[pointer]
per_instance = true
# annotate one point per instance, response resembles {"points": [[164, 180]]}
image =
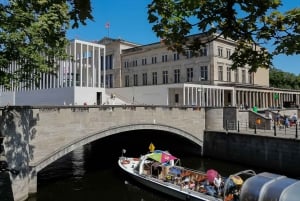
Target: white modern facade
{"points": [[78, 80]]}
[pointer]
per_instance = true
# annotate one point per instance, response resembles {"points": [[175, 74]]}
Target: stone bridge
{"points": [[34, 137]]}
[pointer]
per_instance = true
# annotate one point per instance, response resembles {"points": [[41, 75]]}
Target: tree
{"points": [[33, 36], [284, 80], [251, 23]]}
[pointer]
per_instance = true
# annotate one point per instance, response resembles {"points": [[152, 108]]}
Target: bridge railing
{"points": [[260, 128]]}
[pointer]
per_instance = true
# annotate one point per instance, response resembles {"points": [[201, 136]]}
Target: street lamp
{"points": [[201, 92]]}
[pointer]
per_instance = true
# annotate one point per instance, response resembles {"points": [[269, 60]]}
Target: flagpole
{"points": [[107, 26]]}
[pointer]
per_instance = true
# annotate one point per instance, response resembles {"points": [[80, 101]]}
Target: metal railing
{"points": [[291, 131]]}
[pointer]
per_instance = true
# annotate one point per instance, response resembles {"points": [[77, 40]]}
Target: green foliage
{"points": [[251, 23], [285, 80], [33, 35], [81, 11]]}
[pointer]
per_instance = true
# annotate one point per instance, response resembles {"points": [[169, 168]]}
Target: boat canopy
{"points": [[269, 186], [161, 156]]}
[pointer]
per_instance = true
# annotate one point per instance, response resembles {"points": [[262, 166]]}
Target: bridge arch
{"points": [[111, 131]]}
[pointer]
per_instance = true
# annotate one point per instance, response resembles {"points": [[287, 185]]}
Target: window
{"points": [[220, 73], [220, 51], [134, 63], [126, 80], [228, 53], [250, 78], [236, 75], [126, 64], [177, 76], [228, 74], [109, 81], [188, 54], [203, 73], [164, 58], [176, 56], [189, 74], [243, 76], [176, 98], [102, 63], [135, 80], [144, 61], [109, 61], [203, 52], [154, 60], [165, 77], [144, 78], [154, 78]]}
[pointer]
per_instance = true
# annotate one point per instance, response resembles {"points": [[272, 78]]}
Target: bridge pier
{"points": [[16, 129]]}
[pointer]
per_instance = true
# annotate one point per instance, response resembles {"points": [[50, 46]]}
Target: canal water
{"points": [[91, 173]]}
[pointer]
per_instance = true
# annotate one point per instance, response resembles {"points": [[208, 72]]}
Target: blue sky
{"points": [[128, 21]]}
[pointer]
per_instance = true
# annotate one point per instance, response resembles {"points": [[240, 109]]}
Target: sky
{"points": [[128, 21]]}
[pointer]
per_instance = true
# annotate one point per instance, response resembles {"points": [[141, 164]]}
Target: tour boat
{"points": [[161, 171]]}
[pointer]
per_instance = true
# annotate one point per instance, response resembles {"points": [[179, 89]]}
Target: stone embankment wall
{"points": [[264, 152]]}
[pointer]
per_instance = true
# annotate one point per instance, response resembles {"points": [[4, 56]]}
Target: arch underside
{"points": [[111, 131]]}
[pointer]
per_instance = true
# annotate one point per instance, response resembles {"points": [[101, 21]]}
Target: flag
{"points": [[107, 25], [151, 147]]}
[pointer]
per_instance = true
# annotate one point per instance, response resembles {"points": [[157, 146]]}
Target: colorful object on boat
{"points": [[211, 175], [151, 147], [237, 180], [161, 157]]}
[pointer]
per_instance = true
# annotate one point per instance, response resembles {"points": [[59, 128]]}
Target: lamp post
{"points": [[201, 92]]}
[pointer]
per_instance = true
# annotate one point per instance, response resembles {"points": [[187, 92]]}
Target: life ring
{"points": [[124, 162]]}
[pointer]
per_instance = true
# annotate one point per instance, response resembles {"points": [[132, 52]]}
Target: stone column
{"points": [[183, 95], [188, 96], [237, 98], [233, 98], [206, 103], [210, 97], [223, 98], [243, 98]]}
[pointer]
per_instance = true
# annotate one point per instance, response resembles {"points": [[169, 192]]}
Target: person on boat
{"points": [[218, 183]]}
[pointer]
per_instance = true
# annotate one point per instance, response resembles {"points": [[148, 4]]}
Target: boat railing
{"points": [[179, 187]]}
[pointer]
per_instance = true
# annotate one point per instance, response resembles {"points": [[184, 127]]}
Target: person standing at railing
{"points": [[269, 115], [278, 118], [286, 121], [294, 118]]}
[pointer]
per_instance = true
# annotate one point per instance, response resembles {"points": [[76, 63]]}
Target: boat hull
{"points": [[179, 194], [162, 186]]}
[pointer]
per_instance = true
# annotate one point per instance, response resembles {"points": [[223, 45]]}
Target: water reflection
{"points": [[78, 163]]}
